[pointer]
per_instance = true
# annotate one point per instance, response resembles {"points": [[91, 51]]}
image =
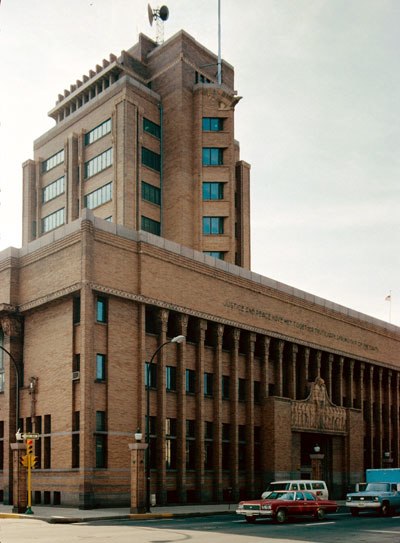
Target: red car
{"points": [[279, 505]]}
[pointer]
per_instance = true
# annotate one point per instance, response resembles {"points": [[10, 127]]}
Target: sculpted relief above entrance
{"points": [[317, 412]]}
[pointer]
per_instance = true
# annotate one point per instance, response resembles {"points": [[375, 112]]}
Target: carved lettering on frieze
{"points": [[317, 412]]}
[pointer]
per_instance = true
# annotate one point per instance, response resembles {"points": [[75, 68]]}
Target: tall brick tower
{"points": [[146, 140]]}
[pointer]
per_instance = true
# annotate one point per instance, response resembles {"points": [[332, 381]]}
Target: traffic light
{"points": [[29, 446], [34, 462], [24, 460]]}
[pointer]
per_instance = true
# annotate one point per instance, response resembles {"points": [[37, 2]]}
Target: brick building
{"points": [[136, 229]]}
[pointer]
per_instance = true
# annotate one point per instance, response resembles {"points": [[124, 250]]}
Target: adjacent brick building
{"points": [[136, 229]]}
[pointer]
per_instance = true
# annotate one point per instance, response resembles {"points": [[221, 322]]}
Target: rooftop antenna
{"points": [[219, 73], [160, 15]]}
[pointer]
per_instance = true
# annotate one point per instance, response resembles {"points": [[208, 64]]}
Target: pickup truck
{"points": [[381, 493]]}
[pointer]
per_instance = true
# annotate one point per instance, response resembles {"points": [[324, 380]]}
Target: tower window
{"points": [[212, 124], [213, 156]]}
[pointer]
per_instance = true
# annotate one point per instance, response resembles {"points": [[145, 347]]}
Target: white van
{"points": [[319, 488]]}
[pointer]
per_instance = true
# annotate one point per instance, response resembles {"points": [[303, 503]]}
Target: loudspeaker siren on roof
{"points": [[158, 13]]}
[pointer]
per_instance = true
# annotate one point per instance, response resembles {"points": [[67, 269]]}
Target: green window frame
{"points": [[99, 196], [98, 132], [53, 161], [151, 159], [150, 193], [151, 226], [151, 128], [212, 124], [215, 254], [99, 163], [100, 367], [101, 309], [53, 190], [212, 156], [213, 190], [54, 220], [213, 226]]}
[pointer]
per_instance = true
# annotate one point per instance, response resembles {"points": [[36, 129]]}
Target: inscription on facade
{"points": [[300, 325], [317, 412]]}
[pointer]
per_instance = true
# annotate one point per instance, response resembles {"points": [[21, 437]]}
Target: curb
{"points": [[131, 516]]}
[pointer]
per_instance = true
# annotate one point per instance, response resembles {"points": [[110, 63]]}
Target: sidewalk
{"points": [[67, 515]]}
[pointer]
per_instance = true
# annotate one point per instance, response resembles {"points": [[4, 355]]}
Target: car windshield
{"points": [[378, 487], [280, 496]]}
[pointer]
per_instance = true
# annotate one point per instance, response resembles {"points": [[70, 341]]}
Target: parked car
{"points": [[279, 505], [318, 488]]}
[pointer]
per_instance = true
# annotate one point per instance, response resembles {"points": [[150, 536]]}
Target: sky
{"points": [[318, 122]]}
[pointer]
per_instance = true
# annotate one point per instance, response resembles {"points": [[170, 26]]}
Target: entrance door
{"points": [[309, 444]]}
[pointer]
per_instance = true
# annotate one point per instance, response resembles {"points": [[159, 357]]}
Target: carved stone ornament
{"points": [[10, 326], [317, 412]]}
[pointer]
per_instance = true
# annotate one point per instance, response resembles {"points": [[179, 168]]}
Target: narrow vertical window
{"points": [[101, 309]]}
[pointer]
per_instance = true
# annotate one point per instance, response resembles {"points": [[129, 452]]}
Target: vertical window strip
{"points": [[151, 159], [99, 196], [54, 189], [53, 161], [98, 132], [54, 220], [150, 193], [98, 163], [152, 128], [149, 225]]}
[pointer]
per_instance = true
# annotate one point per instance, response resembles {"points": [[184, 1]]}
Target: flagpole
{"points": [[389, 299]]}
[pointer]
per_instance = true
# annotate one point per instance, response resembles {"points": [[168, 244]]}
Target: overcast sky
{"points": [[318, 122]]}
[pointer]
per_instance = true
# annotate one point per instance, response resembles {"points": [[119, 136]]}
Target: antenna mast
{"points": [[219, 75], [160, 15]]}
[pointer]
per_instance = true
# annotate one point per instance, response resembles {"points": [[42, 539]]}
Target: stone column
{"points": [[318, 357], [20, 488], [379, 428], [233, 404], [217, 416], [329, 383], [202, 327], [388, 422], [340, 381], [265, 438], [181, 418], [350, 391], [396, 421], [293, 373], [361, 402], [279, 372], [250, 414], [138, 477], [370, 432]]}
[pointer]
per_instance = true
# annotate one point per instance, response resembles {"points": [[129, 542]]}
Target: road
{"points": [[337, 528]]}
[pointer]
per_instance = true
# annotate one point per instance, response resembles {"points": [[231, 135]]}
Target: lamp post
{"points": [[16, 385], [176, 339]]}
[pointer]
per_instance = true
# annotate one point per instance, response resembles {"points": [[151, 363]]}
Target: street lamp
{"points": [[16, 384], [176, 339]]}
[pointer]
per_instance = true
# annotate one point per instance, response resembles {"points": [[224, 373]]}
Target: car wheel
{"points": [[354, 512], [320, 514], [281, 516], [250, 520], [386, 510]]}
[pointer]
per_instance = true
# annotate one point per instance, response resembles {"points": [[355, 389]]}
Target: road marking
{"points": [[382, 531], [320, 523]]}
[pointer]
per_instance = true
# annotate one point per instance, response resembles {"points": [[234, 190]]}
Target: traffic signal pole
{"points": [[28, 461], [31, 462]]}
